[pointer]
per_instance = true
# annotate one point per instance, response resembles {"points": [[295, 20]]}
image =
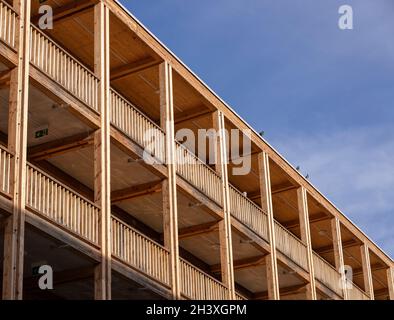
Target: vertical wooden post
{"points": [[170, 208], [306, 238], [367, 272], [390, 282], [266, 204], [338, 254], [225, 238], [17, 143], [102, 184]]}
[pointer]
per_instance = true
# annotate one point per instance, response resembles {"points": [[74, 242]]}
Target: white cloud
{"points": [[354, 169]]}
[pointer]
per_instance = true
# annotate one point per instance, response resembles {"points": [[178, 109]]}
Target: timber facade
{"points": [[75, 194]]}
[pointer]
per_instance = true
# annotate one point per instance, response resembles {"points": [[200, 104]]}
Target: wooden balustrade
{"points": [[63, 68], [290, 245], [137, 126], [8, 25], [197, 285], [198, 173], [138, 251], [248, 213], [61, 205], [5, 171], [327, 274], [239, 297], [355, 293]]}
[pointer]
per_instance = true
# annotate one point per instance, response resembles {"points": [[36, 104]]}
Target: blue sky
{"points": [[324, 96]]}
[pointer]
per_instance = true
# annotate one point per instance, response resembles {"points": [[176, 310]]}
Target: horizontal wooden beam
{"points": [[345, 244], [5, 77], [381, 292], [241, 156], [68, 10], [136, 191], [374, 267], [57, 147], [312, 219], [192, 114], [283, 292], [196, 230], [274, 190], [242, 264], [133, 67], [283, 188]]}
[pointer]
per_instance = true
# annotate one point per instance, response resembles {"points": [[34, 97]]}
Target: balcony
{"points": [[5, 171], [9, 20], [355, 293], [63, 207], [81, 217], [327, 275]]}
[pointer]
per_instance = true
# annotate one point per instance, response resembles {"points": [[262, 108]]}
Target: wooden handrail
{"points": [[62, 185], [8, 25], [327, 274], [140, 252], [58, 203], [249, 213], [197, 285], [290, 245], [356, 293], [5, 170], [70, 55], [136, 109], [58, 64], [198, 173], [128, 119]]}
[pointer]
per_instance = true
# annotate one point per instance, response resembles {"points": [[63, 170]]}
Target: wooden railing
{"points": [[8, 25], [138, 251], [248, 213], [356, 293], [198, 173], [239, 297], [290, 245], [137, 126], [197, 285], [5, 170], [63, 68], [61, 205], [327, 274]]}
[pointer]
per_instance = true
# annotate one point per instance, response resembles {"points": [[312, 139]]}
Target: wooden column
{"points": [[266, 203], [226, 249], [367, 272], [14, 231], [306, 238], [338, 254], [390, 282], [102, 184], [170, 209]]}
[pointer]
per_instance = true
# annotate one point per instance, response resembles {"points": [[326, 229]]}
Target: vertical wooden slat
{"points": [[306, 238], [338, 254], [390, 282], [169, 192], [266, 202], [17, 144], [102, 186], [226, 250], [367, 272]]}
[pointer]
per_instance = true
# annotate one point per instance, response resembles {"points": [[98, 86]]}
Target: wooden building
{"points": [[76, 194]]}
